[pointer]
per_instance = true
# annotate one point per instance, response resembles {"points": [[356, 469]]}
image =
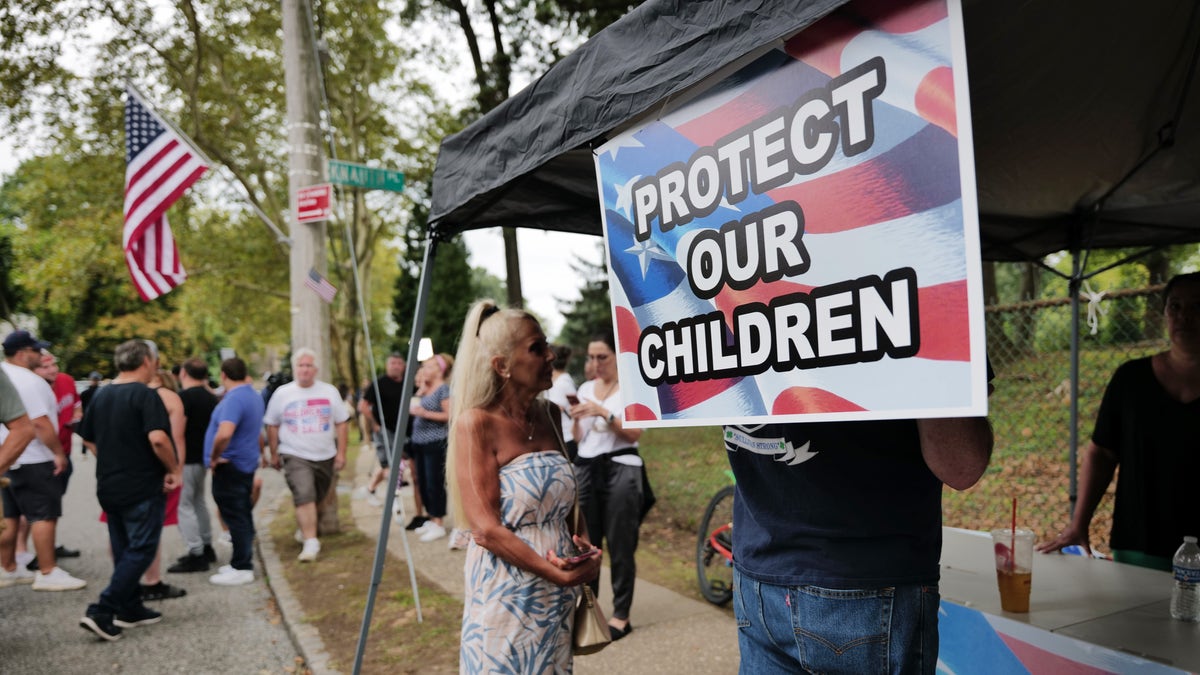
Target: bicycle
{"points": [[714, 547]]}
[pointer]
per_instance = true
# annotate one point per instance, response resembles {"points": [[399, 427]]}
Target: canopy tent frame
{"points": [[528, 163]]}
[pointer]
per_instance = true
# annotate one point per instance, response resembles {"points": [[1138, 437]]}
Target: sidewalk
{"points": [[672, 633]]}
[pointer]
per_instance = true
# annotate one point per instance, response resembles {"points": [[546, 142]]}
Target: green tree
{"points": [[525, 37], [214, 66], [451, 293], [588, 315]]}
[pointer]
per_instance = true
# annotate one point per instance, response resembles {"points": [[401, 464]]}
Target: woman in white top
{"points": [[610, 474], [562, 393]]}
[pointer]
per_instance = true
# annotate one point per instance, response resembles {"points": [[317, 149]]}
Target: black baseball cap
{"points": [[22, 339]]}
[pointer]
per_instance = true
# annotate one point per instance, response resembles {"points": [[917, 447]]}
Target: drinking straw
{"points": [[1012, 548]]}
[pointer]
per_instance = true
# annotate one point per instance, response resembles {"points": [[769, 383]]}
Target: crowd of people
{"points": [[532, 477]]}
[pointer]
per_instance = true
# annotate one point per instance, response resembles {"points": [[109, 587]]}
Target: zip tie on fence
{"points": [[1095, 309]]}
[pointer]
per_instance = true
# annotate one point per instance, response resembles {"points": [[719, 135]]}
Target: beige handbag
{"points": [[591, 626]]}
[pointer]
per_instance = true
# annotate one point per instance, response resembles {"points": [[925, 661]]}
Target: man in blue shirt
{"points": [[232, 448]]}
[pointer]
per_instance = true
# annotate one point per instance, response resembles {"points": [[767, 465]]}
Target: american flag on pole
{"points": [[159, 165], [320, 285], [898, 204]]}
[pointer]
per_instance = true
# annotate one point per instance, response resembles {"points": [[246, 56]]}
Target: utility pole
{"points": [[310, 315]]}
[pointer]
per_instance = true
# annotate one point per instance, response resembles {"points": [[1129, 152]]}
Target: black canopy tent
{"points": [[1086, 124]]}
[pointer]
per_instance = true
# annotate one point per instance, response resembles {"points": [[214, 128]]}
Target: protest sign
{"points": [[799, 240]]}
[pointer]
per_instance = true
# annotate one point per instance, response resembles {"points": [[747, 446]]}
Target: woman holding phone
{"points": [[512, 485], [611, 475]]}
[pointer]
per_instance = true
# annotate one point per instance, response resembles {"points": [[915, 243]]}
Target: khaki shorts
{"points": [[309, 481]]}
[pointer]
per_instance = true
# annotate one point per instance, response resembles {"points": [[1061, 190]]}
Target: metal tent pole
{"points": [[1074, 285], [410, 374]]}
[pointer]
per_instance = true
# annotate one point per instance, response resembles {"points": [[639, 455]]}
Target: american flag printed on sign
{"points": [[320, 285], [893, 206], [159, 166]]}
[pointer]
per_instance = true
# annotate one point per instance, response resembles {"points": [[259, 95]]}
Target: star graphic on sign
{"points": [[625, 197], [726, 205], [645, 252], [619, 142]]}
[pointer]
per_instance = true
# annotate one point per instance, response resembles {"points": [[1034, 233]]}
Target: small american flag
{"points": [[159, 166], [320, 285]]}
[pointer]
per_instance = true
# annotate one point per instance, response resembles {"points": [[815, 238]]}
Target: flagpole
{"points": [[279, 235]]}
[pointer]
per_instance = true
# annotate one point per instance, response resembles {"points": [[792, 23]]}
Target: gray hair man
{"points": [[307, 433]]}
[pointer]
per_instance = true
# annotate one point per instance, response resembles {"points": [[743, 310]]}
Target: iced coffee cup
{"points": [[1014, 567]]}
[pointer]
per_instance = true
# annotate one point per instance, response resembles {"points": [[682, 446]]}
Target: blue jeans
{"points": [[231, 491], [133, 533], [787, 629], [431, 475]]}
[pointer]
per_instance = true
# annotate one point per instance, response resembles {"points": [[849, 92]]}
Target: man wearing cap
{"points": [[86, 395], [35, 489]]}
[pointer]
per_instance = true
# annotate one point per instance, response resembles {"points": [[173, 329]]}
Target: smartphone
{"points": [[583, 556], [572, 399]]}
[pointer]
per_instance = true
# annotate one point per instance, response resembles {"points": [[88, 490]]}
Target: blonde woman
{"points": [[511, 484]]}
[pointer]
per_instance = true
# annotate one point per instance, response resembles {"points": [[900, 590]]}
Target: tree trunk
{"points": [[512, 268]]}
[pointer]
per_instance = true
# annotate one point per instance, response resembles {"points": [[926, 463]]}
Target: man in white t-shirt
{"points": [[307, 424], [34, 490]]}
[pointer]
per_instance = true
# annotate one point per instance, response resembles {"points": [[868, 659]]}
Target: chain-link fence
{"points": [[1029, 344]]}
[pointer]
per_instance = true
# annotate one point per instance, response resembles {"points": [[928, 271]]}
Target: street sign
{"points": [[314, 203], [363, 176]]}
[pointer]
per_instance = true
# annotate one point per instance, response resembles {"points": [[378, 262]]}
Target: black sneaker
{"points": [[210, 556], [102, 625], [162, 591], [32, 565], [189, 563], [416, 522], [139, 616], [64, 552]]}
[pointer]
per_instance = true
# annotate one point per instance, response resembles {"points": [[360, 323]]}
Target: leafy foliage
{"points": [[590, 314]]}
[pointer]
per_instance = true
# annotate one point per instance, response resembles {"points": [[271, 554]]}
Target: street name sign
{"points": [[367, 177]]}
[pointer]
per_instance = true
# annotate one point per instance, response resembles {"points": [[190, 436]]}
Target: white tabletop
{"points": [[1122, 607]]}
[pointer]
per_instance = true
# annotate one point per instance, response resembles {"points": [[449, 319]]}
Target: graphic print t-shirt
{"points": [[307, 417]]}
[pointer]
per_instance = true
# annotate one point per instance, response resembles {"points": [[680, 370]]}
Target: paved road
{"points": [[213, 629]]}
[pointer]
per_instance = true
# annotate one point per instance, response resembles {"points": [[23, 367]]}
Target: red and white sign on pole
{"points": [[314, 203]]}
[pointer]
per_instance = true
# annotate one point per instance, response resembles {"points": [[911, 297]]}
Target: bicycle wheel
{"points": [[714, 569]]}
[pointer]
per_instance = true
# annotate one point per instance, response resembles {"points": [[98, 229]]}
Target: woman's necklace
{"points": [[527, 427]]}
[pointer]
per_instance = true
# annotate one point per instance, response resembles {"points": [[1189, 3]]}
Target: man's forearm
{"points": [[20, 432]]}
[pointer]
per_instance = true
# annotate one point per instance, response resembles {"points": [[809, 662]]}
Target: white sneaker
{"points": [[433, 532], [20, 575], [360, 493], [228, 576], [424, 527], [24, 558], [309, 553], [298, 536], [373, 500], [57, 579]]}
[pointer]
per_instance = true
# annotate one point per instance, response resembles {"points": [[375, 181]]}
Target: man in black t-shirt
{"points": [[127, 428], [194, 524], [381, 402]]}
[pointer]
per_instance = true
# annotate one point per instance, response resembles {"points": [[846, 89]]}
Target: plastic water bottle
{"points": [[1185, 599]]}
